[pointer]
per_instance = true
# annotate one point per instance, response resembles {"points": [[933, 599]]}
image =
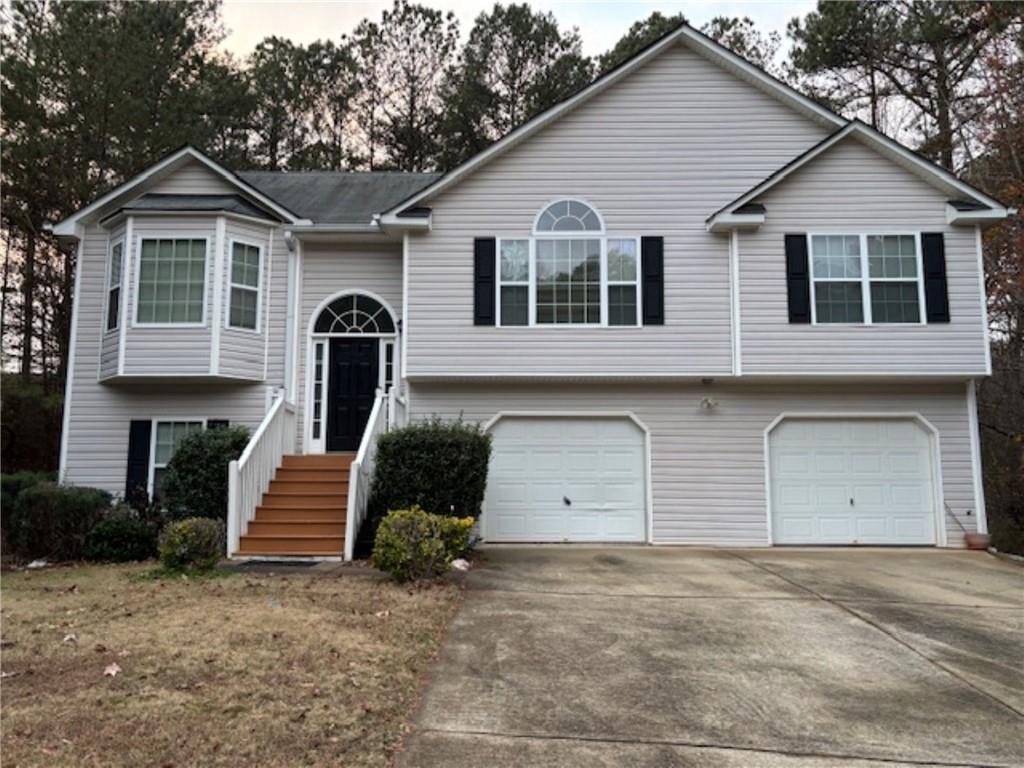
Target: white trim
{"points": [[966, 218], [730, 222], [735, 316], [69, 380], [865, 280], [127, 299], [531, 282], [986, 330], [702, 44], [938, 490], [152, 442], [155, 172], [231, 284], [977, 476], [112, 243], [299, 276], [404, 320], [266, 314], [312, 337], [881, 143], [578, 233], [220, 235], [855, 375], [174, 236], [648, 486], [240, 218]]}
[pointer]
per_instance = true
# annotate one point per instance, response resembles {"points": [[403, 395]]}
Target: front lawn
{"points": [[237, 669]]}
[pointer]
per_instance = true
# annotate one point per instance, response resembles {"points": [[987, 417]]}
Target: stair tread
{"points": [[304, 536]]}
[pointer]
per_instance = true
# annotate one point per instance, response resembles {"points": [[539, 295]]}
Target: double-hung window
{"points": [[244, 300], [114, 285], [166, 437], [172, 282], [866, 278], [568, 272]]}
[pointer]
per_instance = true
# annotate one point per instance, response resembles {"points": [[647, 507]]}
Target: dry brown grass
{"points": [[260, 670]]}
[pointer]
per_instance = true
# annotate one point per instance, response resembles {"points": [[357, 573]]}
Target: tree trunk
{"points": [[28, 291]]}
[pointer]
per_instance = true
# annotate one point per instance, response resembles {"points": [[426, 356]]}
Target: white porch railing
{"points": [[249, 477], [360, 473], [398, 413]]}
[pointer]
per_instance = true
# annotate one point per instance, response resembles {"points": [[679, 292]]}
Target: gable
{"points": [[193, 178], [680, 132]]}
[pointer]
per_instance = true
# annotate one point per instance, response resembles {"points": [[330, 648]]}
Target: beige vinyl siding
{"points": [[708, 466], [243, 352], [331, 269], [194, 178], [851, 189], [656, 154]]}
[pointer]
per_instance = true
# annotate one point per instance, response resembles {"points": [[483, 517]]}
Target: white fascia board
{"points": [[66, 228], [970, 218], [406, 223], [700, 43], [727, 222]]}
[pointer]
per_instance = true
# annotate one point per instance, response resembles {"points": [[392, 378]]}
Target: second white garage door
{"points": [[852, 481], [566, 479]]}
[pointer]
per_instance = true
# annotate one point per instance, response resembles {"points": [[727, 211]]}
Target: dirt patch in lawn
{"points": [[257, 669]]}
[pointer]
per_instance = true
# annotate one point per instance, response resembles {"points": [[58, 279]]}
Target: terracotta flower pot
{"points": [[977, 540]]}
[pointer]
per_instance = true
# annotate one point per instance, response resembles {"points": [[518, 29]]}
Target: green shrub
{"points": [[11, 487], [122, 536], [412, 544], [53, 520], [439, 466], [30, 422], [196, 481], [196, 543]]}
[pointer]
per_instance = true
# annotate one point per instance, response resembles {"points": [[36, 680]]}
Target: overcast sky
{"points": [[601, 24]]}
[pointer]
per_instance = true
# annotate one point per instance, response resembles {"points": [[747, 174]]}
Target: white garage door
{"points": [[851, 481], [562, 479]]}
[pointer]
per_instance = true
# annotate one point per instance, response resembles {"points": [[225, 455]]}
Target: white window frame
{"points": [[107, 328], [531, 282], [865, 279], [153, 466], [231, 285], [136, 323]]}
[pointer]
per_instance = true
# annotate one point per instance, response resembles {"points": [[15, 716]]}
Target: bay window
{"points": [[172, 282], [244, 296]]}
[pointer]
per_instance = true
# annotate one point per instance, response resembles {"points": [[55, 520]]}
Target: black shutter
{"points": [[136, 486], [484, 258], [798, 279], [216, 423], [652, 262], [936, 296]]}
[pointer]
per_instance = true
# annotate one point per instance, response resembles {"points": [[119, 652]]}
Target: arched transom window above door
{"points": [[354, 313]]}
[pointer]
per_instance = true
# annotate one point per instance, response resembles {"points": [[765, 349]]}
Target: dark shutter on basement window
{"points": [[136, 486], [484, 258], [936, 294], [216, 423], [652, 264], [798, 279]]}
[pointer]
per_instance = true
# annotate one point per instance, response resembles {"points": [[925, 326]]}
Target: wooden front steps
{"points": [[303, 512]]}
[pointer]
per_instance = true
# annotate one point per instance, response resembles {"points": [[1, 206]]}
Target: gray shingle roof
{"points": [[327, 197], [205, 203]]}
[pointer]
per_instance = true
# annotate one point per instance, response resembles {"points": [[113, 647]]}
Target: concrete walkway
{"points": [[618, 656]]}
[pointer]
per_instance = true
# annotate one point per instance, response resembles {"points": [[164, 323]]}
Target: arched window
{"points": [[354, 313], [569, 216]]}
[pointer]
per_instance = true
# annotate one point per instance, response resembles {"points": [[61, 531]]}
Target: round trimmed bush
{"points": [[193, 544], [53, 520], [412, 545]]}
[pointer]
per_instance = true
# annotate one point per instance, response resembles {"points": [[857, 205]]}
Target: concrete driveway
{"points": [[622, 656]]}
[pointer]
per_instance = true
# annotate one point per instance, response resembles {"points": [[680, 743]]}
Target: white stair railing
{"points": [[249, 477], [361, 471], [397, 410]]}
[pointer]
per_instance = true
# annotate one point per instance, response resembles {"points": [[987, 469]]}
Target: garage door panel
{"points": [[598, 464], [883, 465]]}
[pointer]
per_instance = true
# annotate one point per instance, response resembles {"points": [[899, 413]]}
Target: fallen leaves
{"points": [[112, 670]]}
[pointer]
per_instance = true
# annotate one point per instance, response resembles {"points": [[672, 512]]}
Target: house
{"points": [[691, 305]]}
